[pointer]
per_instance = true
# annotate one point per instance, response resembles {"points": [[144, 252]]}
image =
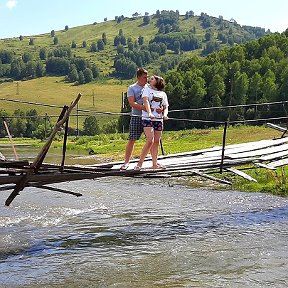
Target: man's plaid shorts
{"points": [[135, 128]]}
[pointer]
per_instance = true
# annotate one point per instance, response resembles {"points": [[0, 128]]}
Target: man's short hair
{"points": [[141, 71]]}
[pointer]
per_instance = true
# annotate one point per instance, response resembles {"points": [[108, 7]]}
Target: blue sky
{"points": [[32, 17]]}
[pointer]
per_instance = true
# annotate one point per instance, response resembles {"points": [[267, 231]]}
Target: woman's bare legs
{"points": [[149, 132], [155, 148]]}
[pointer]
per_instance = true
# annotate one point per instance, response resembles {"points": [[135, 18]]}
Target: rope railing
{"points": [[89, 112]]}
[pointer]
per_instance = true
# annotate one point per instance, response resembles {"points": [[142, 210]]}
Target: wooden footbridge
{"points": [[18, 174]]}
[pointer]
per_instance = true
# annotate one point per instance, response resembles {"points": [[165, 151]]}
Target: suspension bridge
{"points": [[270, 154]]}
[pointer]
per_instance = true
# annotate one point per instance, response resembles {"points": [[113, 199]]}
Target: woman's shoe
{"points": [[159, 167], [124, 166], [137, 168]]}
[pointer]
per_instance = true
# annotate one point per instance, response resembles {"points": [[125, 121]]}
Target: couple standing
{"points": [[149, 105]]}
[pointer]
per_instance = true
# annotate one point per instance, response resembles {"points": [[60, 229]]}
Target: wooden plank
{"points": [[273, 156], [212, 178], [276, 127], [265, 166], [245, 147], [261, 152], [57, 190], [2, 157], [278, 163], [16, 164], [240, 173]]}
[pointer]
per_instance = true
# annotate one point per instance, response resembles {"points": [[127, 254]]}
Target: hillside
{"points": [[51, 68], [210, 32]]}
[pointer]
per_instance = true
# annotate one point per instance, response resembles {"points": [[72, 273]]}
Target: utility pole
{"points": [[93, 98], [77, 120]]}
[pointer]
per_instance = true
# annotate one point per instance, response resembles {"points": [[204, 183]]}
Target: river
{"points": [[143, 233]]}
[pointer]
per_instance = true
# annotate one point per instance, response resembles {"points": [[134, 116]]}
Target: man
{"points": [[134, 95]]}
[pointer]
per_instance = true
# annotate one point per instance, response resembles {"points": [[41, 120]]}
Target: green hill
{"points": [[39, 68], [209, 31]]}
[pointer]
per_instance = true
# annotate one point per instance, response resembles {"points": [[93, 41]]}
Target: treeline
{"points": [[25, 124], [30, 124], [57, 62], [255, 72]]}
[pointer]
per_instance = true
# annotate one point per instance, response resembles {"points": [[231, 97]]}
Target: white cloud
{"points": [[11, 4]]}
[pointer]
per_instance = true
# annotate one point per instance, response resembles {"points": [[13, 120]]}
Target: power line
{"points": [[89, 112]]}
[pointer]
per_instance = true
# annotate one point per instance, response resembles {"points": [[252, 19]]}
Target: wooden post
{"points": [[223, 146], [77, 119], [64, 144], [10, 138], [40, 157], [161, 145]]}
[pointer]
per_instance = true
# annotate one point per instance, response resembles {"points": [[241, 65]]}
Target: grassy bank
{"points": [[112, 147]]}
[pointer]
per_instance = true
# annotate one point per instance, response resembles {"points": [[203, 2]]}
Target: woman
{"points": [[155, 100]]}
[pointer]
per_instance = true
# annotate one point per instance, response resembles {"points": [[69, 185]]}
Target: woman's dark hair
{"points": [[160, 84]]}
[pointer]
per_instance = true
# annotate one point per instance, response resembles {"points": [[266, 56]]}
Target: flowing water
{"points": [[143, 233]]}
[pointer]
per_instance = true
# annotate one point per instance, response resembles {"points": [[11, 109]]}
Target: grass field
{"points": [[106, 96]]}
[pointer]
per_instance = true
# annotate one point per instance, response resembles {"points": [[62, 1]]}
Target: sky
{"points": [[33, 17]]}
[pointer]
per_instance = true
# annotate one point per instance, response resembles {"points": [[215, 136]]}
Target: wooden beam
{"points": [[57, 190], [241, 173], [262, 165], [40, 157], [276, 127]]}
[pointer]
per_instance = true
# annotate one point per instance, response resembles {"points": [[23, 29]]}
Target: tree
{"points": [[104, 38], [95, 71], [161, 28], [93, 47], [55, 40], [140, 40], [255, 88], [167, 28], [17, 69], [110, 127], [176, 47], [27, 57], [216, 90], [100, 45], [146, 20], [88, 75], [269, 87], [73, 75], [90, 126], [81, 77], [18, 125], [39, 69], [73, 44], [32, 122], [43, 53]]}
